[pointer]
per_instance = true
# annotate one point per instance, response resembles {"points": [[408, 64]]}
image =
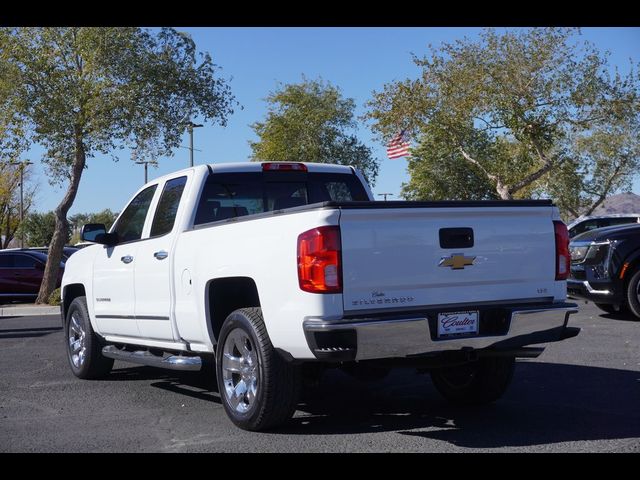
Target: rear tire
{"points": [[84, 347], [258, 388], [475, 383], [633, 295]]}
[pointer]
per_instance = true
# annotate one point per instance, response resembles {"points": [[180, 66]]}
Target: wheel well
{"points": [[634, 264], [70, 293], [226, 295]]}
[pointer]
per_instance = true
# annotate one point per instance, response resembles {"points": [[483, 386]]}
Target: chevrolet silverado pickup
{"points": [[271, 272]]}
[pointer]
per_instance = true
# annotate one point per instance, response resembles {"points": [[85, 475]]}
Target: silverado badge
{"points": [[456, 261]]}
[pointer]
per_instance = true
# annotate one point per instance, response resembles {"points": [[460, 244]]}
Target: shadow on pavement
{"points": [[27, 332], [547, 403], [624, 316], [200, 385]]}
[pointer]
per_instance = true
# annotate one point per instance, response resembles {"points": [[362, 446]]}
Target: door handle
{"points": [[127, 259], [161, 255]]}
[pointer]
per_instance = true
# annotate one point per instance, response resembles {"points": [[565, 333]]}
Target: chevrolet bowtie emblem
{"points": [[456, 262]]}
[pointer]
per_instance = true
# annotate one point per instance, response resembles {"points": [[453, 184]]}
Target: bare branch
{"points": [[489, 125], [605, 192], [502, 189], [548, 164]]}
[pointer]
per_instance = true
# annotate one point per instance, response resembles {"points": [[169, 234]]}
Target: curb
{"points": [[28, 311]]}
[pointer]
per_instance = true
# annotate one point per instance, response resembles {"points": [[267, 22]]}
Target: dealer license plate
{"points": [[451, 324]]}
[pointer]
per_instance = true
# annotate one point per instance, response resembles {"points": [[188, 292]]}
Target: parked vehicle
{"points": [[605, 268], [21, 272], [67, 251], [584, 224], [278, 270]]}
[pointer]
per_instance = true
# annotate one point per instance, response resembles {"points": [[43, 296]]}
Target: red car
{"points": [[21, 272]]}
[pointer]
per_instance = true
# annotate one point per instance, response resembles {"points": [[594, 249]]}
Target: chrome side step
{"points": [[143, 357]]}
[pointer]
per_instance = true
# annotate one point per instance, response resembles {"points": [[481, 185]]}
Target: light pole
{"points": [[385, 195], [191, 127], [22, 165], [145, 163]]}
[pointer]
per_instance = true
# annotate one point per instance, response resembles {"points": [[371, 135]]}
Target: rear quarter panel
{"points": [[265, 250]]}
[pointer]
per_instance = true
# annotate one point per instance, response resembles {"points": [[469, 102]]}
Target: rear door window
{"points": [[167, 208], [24, 261], [6, 261]]}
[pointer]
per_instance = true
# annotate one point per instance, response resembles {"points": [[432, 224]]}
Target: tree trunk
{"points": [[7, 234], [52, 269], [503, 190]]}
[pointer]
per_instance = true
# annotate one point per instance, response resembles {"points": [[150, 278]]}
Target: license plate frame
{"points": [[464, 323]]}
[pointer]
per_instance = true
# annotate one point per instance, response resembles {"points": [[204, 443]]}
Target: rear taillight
{"points": [[319, 268], [563, 258]]}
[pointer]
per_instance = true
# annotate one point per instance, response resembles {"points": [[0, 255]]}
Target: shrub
{"points": [[54, 298]]}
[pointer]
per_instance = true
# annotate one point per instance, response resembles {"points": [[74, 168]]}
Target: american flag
{"points": [[398, 146]]}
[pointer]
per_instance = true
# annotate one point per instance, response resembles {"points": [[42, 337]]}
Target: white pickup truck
{"points": [[278, 270]]}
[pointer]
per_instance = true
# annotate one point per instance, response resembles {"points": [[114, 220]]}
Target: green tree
{"points": [[87, 91], [496, 116], [39, 229], [12, 145], [606, 161], [106, 217], [10, 200], [311, 122]]}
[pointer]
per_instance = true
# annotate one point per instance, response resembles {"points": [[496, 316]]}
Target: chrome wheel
{"points": [[77, 343], [240, 371]]}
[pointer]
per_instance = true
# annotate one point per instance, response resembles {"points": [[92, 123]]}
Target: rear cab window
{"points": [[229, 195]]}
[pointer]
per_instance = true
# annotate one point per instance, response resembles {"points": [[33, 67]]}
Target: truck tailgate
{"points": [[406, 258]]}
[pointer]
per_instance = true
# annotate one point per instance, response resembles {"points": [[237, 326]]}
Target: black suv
{"points": [[605, 268]]}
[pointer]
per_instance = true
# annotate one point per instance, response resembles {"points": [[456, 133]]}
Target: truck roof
{"points": [[257, 167]]}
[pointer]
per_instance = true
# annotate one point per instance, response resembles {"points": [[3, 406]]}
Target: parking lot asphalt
{"points": [[580, 395]]}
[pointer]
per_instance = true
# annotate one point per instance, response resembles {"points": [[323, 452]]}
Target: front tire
{"points": [[84, 348], [633, 295], [475, 383], [258, 388]]}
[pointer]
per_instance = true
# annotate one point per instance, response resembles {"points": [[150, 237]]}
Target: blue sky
{"points": [[255, 60]]}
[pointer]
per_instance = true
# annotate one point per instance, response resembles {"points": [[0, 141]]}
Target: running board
{"points": [[143, 357]]}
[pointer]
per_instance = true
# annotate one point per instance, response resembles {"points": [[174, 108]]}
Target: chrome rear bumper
{"points": [[376, 338]]}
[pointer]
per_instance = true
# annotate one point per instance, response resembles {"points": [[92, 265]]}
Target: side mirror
{"points": [[97, 233]]}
